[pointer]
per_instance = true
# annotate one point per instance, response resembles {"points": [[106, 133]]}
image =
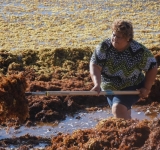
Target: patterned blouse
{"points": [[122, 69]]}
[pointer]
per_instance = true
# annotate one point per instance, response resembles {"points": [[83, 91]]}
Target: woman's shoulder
{"points": [[136, 46], [107, 41], [105, 44]]}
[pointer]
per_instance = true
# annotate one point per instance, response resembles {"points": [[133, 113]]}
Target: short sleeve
{"points": [[99, 55], [148, 60]]}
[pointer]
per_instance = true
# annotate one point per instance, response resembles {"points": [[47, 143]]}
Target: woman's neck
{"points": [[123, 48]]}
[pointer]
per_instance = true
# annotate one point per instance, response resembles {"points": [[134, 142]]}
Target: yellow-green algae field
{"points": [[51, 42], [47, 33], [72, 23]]}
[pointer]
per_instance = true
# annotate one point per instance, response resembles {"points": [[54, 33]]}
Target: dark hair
{"points": [[124, 27]]}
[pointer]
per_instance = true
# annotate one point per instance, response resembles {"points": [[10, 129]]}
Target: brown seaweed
{"points": [[12, 98]]}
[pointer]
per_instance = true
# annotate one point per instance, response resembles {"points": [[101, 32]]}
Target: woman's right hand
{"points": [[97, 89]]}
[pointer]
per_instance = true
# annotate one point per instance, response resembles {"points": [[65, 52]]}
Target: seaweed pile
{"points": [[69, 70], [13, 103], [112, 134]]}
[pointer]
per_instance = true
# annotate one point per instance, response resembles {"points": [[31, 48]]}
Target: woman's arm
{"points": [[149, 80], [95, 72]]}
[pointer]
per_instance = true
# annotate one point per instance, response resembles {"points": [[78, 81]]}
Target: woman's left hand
{"points": [[143, 93]]}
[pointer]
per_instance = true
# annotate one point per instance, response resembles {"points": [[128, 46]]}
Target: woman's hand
{"points": [[149, 80], [144, 93], [97, 89]]}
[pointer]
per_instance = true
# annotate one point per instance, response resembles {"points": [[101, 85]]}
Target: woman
{"points": [[118, 63]]}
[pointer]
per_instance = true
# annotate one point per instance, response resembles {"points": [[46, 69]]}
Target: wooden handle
{"points": [[75, 93]]}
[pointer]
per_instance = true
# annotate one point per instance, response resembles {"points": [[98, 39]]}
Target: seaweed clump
{"points": [[13, 104], [111, 134]]}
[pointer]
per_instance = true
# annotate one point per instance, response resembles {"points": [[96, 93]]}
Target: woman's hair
{"points": [[124, 27]]}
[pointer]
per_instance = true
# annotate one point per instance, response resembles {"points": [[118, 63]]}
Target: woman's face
{"points": [[119, 41]]}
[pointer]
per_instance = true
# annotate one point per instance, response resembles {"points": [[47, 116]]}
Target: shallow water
{"points": [[81, 120]]}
